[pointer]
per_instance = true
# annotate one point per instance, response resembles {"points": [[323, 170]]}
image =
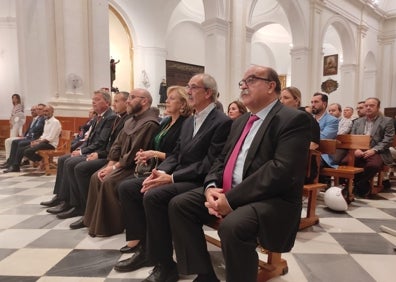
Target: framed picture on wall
{"points": [[330, 65], [178, 73], [282, 79]]}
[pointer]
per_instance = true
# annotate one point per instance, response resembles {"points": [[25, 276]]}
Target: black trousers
{"points": [[30, 152], [237, 231], [18, 147], [80, 176]]}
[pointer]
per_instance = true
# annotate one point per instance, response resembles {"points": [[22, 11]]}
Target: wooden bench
{"points": [[275, 265], [376, 182], [62, 149], [350, 143], [311, 191]]}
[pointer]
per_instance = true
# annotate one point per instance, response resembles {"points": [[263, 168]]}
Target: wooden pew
{"points": [[350, 143]]}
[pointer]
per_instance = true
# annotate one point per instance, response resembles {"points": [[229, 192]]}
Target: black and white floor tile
{"points": [[36, 246]]}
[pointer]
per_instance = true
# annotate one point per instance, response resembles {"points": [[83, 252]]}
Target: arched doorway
{"points": [[121, 48]]}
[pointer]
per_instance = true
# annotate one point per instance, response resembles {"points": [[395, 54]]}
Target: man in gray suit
{"points": [[255, 185], [201, 140], [381, 130]]}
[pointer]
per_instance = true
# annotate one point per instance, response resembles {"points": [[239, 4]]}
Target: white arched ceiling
{"points": [[277, 41], [332, 43], [297, 22], [262, 55], [271, 41], [369, 77], [214, 8], [121, 46], [346, 36], [370, 62], [186, 43]]}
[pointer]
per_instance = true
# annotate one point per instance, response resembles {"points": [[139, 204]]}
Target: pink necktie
{"points": [[229, 168]]}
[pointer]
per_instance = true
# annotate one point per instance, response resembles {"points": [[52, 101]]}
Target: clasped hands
{"points": [[156, 178], [364, 154], [105, 171], [216, 202]]}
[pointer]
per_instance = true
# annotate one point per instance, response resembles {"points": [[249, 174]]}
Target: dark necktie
{"points": [[229, 167], [98, 119], [33, 124]]}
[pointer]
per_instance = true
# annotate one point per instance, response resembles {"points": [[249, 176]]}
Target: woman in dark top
{"points": [[177, 110]]}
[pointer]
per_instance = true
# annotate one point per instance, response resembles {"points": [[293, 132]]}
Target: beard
{"points": [[315, 111], [134, 109]]}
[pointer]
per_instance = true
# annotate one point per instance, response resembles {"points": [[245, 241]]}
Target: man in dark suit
{"points": [[255, 186], [381, 130], [97, 140], [18, 146], [82, 172], [201, 140]]}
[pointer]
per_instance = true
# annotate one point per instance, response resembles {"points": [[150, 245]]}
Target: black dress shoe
{"points": [[51, 203], [138, 260], [4, 165], [73, 212], [63, 206], [77, 224], [206, 278], [12, 169], [163, 273], [126, 249]]}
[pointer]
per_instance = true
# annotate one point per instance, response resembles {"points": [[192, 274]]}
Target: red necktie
{"points": [[229, 167]]}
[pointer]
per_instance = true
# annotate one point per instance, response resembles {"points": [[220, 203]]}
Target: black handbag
{"points": [[144, 169]]}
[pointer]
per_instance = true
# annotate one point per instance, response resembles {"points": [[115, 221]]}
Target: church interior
{"points": [[58, 53]]}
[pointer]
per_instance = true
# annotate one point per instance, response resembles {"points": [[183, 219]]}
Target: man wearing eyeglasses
{"points": [[201, 140], [255, 186]]}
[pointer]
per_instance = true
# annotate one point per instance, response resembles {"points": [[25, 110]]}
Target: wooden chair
{"points": [[4, 134], [311, 191], [62, 149], [350, 143], [275, 265], [376, 181]]}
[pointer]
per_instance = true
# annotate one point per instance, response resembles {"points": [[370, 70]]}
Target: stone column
{"points": [[216, 32], [299, 68], [64, 52], [149, 69]]}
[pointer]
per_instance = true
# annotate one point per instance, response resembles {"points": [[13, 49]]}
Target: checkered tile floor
{"points": [[36, 246]]}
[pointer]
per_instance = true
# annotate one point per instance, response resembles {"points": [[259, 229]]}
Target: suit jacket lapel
{"points": [[259, 136], [189, 129], [375, 126]]}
